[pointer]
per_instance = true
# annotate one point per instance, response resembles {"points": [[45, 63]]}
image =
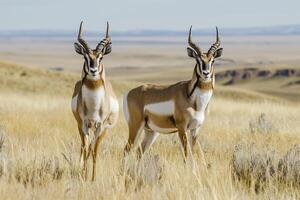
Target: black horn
{"points": [[216, 45], [81, 40], [193, 45], [107, 29], [106, 41]]}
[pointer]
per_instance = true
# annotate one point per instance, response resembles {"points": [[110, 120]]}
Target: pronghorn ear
{"points": [[218, 53], [107, 49], [79, 48], [191, 52]]}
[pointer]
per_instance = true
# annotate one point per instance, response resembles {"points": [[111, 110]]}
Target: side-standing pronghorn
{"points": [[94, 103], [175, 108]]}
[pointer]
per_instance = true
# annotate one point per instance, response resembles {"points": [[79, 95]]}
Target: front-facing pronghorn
{"points": [[175, 108], [94, 103]]}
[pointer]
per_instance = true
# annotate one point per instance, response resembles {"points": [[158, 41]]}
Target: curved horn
{"points": [[106, 41], [81, 40], [216, 45], [107, 29], [193, 45]]}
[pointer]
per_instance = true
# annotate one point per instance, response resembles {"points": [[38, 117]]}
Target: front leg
{"points": [[193, 136], [97, 132], [193, 141], [95, 129], [82, 145], [85, 156], [184, 142], [94, 150], [86, 146]]}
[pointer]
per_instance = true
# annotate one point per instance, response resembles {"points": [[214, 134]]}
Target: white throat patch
{"points": [[202, 98]]}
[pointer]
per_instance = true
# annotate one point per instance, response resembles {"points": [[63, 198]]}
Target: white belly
{"points": [[158, 129], [164, 108]]}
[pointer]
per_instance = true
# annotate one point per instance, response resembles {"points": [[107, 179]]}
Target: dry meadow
{"points": [[246, 131]]}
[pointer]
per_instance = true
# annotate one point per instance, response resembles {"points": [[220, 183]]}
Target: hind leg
{"points": [[135, 130], [149, 139]]}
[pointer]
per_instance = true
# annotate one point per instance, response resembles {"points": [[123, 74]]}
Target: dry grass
{"points": [[289, 166], [39, 149], [261, 167], [262, 125], [254, 166], [145, 172]]}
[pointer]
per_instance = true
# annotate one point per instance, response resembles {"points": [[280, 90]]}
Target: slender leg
{"points": [[202, 155], [85, 131], [193, 138], [149, 139], [82, 145], [134, 133], [96, 134], [193, 141], [183, 139], [94, 152], [85, 156]]}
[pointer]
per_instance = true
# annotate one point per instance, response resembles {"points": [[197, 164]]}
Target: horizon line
{"points": [[258, 30]]}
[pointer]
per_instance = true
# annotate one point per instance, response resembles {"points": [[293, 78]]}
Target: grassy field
{"points": [[40, 145]]}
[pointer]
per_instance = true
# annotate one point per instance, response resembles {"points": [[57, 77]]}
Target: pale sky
{"points": [[145, 14]]}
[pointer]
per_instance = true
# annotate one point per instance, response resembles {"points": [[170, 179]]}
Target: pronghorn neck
{"points": [[197, 82], [93, 82]]}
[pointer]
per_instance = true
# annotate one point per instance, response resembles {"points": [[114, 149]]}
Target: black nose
{"points": [[93, 70], [206, 73]]}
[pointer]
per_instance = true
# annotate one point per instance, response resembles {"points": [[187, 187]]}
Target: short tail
{"points": [[125, 107]]}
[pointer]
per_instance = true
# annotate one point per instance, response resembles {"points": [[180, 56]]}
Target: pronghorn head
{"points": [[204, 61], [93, 57]]}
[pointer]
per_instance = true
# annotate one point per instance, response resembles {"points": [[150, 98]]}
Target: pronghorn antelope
{"points": [[94, 103], [180, 107]]}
